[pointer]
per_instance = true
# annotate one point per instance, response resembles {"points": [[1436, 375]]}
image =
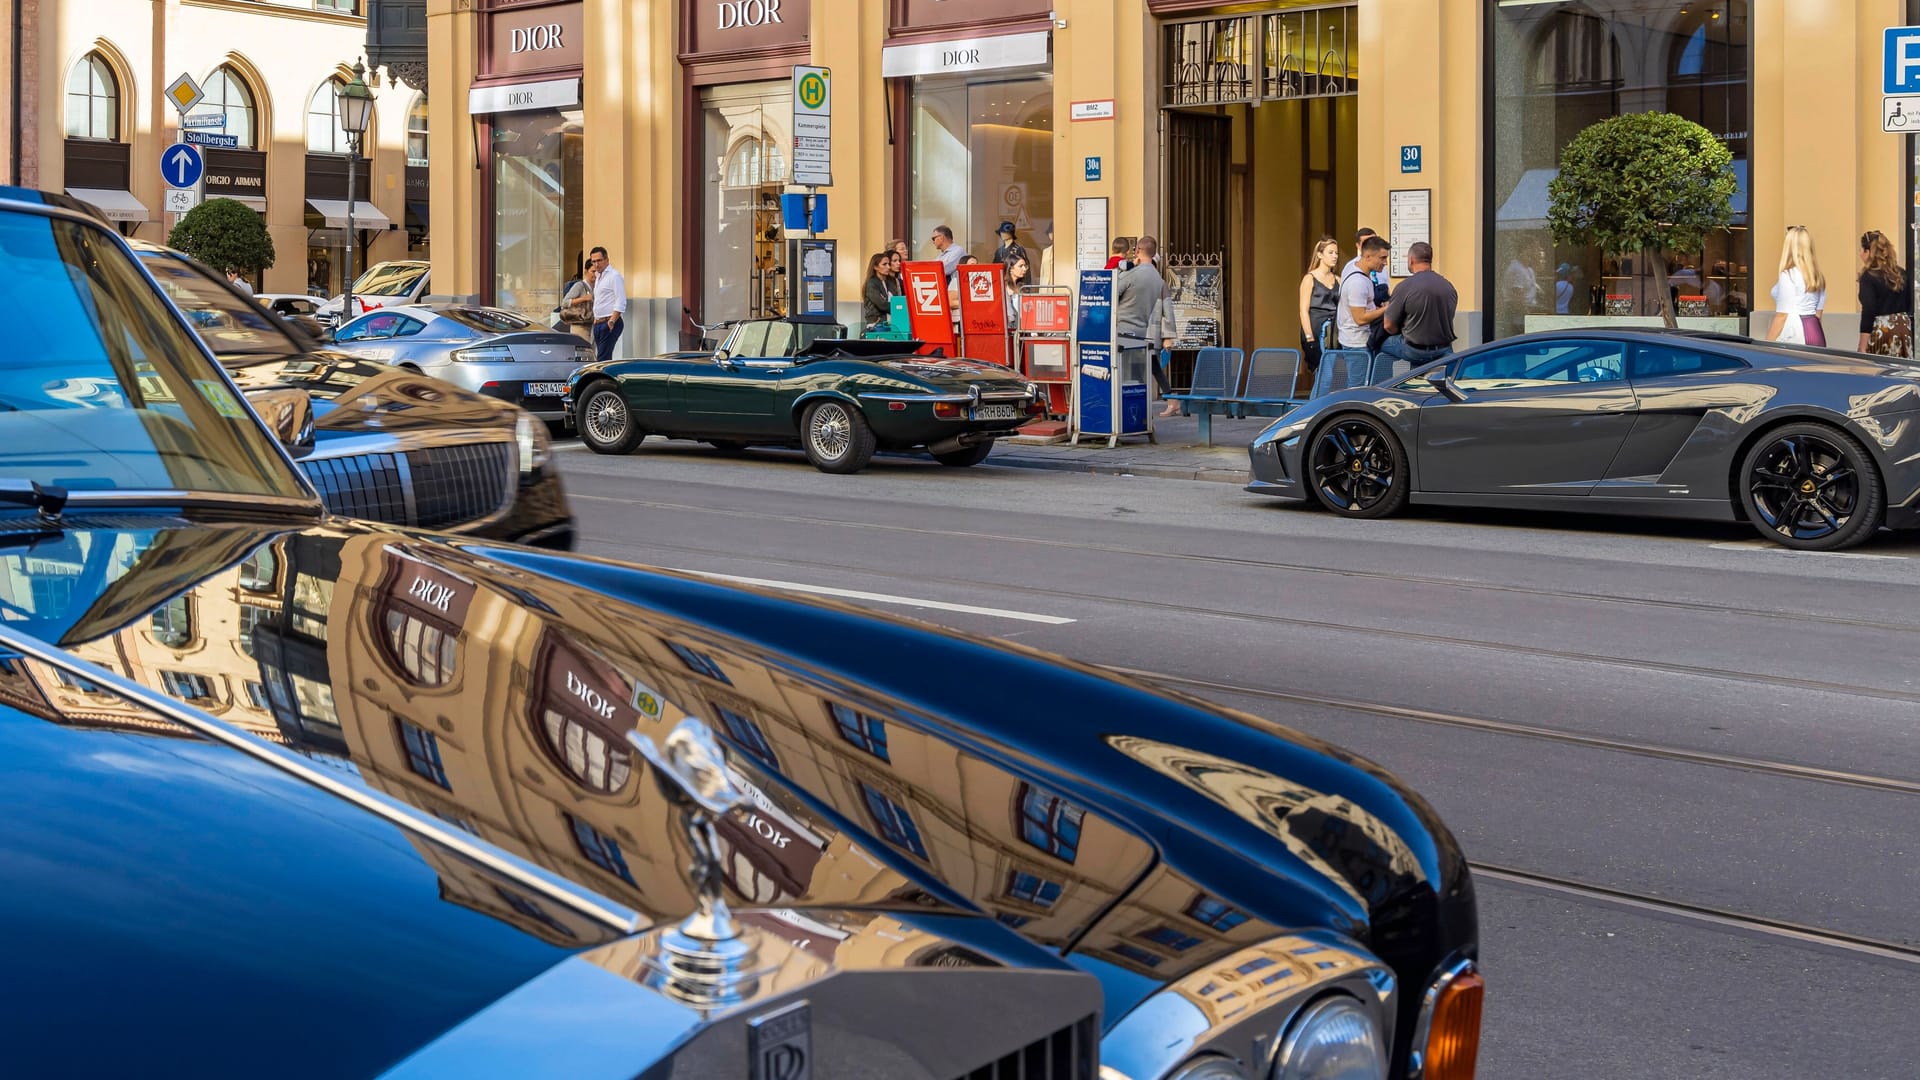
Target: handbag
{"points": [[575, 314]]}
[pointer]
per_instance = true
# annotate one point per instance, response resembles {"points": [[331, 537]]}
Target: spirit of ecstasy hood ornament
{"points": [[708, 959]]}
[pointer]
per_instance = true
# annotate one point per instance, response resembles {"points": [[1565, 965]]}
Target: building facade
{"points": [[88, 113], [1236, 133]]}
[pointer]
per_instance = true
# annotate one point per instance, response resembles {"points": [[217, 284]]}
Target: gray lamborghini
{"points": [[1816, 448]]}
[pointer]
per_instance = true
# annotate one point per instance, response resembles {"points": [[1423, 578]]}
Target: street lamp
{"points": [[356, 108]]}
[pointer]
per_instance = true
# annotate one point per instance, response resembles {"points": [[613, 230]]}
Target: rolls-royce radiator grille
{"points": [[436, 488], [1066, 1054]]}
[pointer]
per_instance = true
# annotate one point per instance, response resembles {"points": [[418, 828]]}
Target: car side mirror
{"points": [[725, 361], [1443, 383]]}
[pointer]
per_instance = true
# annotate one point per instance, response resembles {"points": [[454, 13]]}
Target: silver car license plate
{"points": [[995, 412], [546, 389]]}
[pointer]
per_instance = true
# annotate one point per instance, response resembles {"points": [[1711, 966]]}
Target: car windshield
{"points": [[390, 279], [233, 326], [104, 389], [485, 320]]}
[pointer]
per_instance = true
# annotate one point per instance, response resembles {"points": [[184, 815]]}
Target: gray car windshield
{"points": [[103, 388]]}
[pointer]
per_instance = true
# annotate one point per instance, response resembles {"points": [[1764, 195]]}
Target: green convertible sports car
{"points": [[787, 382]]}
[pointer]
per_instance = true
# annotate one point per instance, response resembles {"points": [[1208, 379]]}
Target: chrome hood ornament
{"points": [[708, 960]]}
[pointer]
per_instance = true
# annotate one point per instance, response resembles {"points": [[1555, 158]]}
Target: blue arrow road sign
{"points": [[182, 165], [1900, 60]]}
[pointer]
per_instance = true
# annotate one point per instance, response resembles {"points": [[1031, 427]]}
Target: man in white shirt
{"points": [[1359, 308], [609, 304], [950, 252]]}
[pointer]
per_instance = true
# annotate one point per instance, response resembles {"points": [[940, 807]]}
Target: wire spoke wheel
{"points": [[1356, 467], [606, 417], [831, 431]]}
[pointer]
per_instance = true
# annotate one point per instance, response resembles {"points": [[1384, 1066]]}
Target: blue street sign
{"points": [[1093, 168], [181, 165], [212, 138], [1900, 60], [1409, 159]]}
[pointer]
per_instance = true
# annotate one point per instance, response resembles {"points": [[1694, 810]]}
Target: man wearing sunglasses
{"points": [[609, 303]]}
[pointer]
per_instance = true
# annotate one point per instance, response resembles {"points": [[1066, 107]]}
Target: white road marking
{"points": [[884, 598], [1762, 545]]}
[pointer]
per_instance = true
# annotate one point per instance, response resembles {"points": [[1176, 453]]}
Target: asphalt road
{"points": [[1686, 764]]}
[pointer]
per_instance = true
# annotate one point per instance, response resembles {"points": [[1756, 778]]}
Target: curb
{"points": [[1237, 477]]}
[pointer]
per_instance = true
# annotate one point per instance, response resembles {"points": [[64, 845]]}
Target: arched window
{"points": [[417, 133], [597, 763], [755, 162], [228, 95], [173, 622], [93, 100], [325, 133], [424, 651]]}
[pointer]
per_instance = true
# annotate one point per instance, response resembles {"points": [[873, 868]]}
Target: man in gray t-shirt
{"points": [[1357, 309], [1420, 315]]}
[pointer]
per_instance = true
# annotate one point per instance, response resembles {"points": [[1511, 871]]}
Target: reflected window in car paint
{"points": [[866, 732], [258, 572], [1008, 918], [251, 616], [425, 652], [257, 695], [590, 759], [893, 821], [1135, 954], [1214, 913], [526, 907], [1168, 938], [186, 685], [423, 752], [599, 849], [1030, 888], [747, 735], [485, 320], [1050, 822], [700, 662], [173, 622]]}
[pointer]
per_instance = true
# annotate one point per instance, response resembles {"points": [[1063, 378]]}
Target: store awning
{"points": [[116, 205], [1526, 208], [365, 214]]}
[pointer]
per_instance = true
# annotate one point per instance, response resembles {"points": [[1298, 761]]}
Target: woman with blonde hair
{"points": [[1800, 296], [1319, 297], [1886, 299]]}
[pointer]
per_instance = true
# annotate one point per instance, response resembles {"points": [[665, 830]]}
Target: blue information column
{"points": [[1110, 396]]}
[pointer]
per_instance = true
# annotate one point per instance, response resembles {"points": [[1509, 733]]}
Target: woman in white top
{"points": [[1801, 293]]}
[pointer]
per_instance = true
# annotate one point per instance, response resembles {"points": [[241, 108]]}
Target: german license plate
{"points": [[995, 412], [546, 389]]}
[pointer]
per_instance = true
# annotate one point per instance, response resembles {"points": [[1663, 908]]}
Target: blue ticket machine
{"points": [[1110, 394]]}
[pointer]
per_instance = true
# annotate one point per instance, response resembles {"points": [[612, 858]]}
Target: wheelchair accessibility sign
{"points": [[1901, 115]]}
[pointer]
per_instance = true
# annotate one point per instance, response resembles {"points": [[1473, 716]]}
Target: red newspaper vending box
{"points": [[927, 311], [1045, 342], [983, 314]]}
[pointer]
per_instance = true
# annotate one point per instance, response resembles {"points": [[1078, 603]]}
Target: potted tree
{"points": [[1644, 184], [223, 233]]}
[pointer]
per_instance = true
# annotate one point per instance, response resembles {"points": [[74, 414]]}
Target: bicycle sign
{"points": [[1901, 115]]}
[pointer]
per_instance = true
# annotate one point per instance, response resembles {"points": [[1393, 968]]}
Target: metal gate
{"points": [[1199, 155]]}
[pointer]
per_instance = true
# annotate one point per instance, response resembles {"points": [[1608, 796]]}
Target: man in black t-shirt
{"points": [[1419, 318]]}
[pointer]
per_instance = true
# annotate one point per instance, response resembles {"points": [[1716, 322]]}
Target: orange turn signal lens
{"points": [[1453, 1039], [947, 410]]}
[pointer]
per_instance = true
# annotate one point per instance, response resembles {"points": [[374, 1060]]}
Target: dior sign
{"points": [[738, 13], [732, 27], [537, 38], [549, 37]]}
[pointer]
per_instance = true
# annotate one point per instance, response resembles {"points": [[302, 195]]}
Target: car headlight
{"points": [[1335, 1039], [1211, 1067], [535, 447]]}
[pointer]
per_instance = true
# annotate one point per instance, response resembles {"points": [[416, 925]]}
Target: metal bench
{"points": [[1273, 377], [1216, 386]]}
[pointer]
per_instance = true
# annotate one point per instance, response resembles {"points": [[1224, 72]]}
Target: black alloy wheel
{"points": [[606, 422], [966, 457], [1356, 468], [1812, 488], [836, 437]]}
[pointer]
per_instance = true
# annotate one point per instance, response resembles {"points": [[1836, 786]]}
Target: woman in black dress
{"points": [[1319, 292], [876, 305], [1886, 300]]}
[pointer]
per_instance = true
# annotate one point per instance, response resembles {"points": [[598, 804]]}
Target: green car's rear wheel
{"points": [[836, 437], [606, 422]]}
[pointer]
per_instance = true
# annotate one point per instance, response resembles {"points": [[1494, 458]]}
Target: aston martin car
{"points": [[1816, 448], [495, 811], [489, 351], [796, 382], [380, 442]]}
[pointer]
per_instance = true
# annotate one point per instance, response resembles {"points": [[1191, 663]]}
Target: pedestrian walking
{"points": [[1010, 245], [609, 303], [1361, 305], [1139, 296], [1800, 296], [1319, 295], [948, 252], [239, 282], [876, 299], [1886, 299], [1419, 318], [576, 302]]}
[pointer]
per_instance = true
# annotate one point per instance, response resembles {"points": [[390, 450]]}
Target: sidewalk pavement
{"points": [[1178, 455]]}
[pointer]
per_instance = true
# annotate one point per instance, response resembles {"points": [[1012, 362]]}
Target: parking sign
{"points": [[1900, 61]]}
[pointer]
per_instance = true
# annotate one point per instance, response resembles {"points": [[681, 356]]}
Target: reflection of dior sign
{"points": [[768, 830], [536, 38], [589, 697], [431, 593], [746, 13]]}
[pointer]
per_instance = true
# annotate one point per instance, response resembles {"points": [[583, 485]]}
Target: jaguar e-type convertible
{"points": [[478, 809], [792, 382], [1817, 449]]}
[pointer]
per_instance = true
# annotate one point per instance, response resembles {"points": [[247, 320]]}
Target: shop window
{"points": [[1560, 67], [596, 763], [866, 732], [893, 821], [538, 180], [699, 662], [1215, 913], [93, 100], [1032, 889], [743, 169], [417, 132], [173, 622], [423, 752], [227, 96], [425, 652], [599, 849], [982, 153], [747, 735], [1050, 822]]}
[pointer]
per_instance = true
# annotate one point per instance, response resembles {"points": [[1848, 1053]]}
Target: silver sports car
{"points": [[1816, 448], [483, 349]]}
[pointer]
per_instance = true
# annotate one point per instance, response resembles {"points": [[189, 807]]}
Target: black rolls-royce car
{"points": [[798, 382], [468, 808]]}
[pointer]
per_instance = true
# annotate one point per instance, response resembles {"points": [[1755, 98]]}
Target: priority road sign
{"points": [[1900, 61], [184, 92], [182, 166]]}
